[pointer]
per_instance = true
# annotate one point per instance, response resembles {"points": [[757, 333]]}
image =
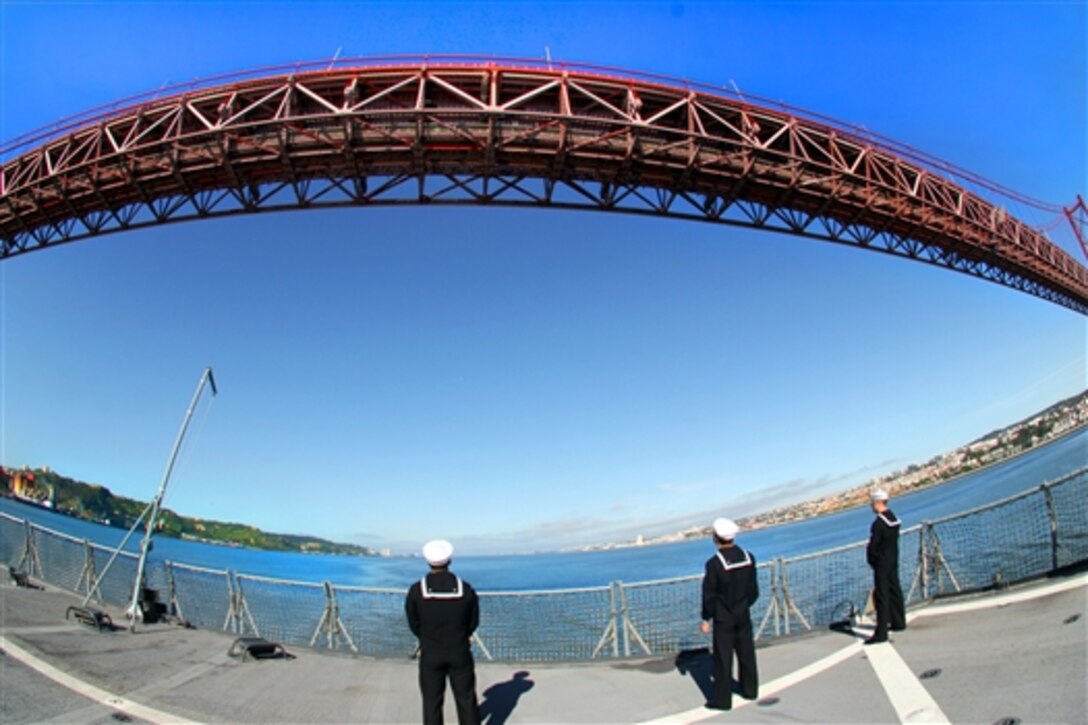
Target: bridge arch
{"points": [[521, 133]]}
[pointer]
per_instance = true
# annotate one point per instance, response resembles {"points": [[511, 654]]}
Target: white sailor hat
{"points": [[879, 495], [725, 529], [438, 552]]}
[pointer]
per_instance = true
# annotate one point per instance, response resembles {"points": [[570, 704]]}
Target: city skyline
{"points": [[517, 380]]}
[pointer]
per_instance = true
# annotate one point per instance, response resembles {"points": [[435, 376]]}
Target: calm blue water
{"points": [[578, 569]]}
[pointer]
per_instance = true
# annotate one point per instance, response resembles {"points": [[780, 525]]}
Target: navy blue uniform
{"points": [[730, 588], [883, 556], [443, 611]]}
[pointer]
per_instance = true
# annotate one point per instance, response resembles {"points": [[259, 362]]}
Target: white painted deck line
{"points": [[699, 714], [1000, 600], [911, 700], [107, 699]]}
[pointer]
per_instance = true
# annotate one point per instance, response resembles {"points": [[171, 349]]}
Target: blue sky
{"points": [[522, 380]]}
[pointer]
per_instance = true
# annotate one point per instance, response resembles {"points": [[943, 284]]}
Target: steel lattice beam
{"points": [[531, 136]]}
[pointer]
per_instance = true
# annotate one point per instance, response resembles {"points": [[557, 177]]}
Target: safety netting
{"points": [[1017, 538]]}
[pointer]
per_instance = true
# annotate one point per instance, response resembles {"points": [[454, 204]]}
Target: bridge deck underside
{"points": [[487, 135]]}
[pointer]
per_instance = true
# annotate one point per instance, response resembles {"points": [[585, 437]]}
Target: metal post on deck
{"points": [[788, 605], [238, 613], [30, 553], [932, 575], [480, 643], [629, 630], [939, 562], [921, 573], [773, 608], [88, 574], [172, 603], [331, 624], [1053, 516], [783, 593], [614, 619], [611, 631], [621, 619], [230, 624]]}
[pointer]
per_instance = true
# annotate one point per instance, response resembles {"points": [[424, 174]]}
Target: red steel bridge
{"points": [[428, 130]]}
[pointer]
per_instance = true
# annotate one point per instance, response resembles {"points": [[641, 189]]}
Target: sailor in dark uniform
{"points": [[730, 587], [883, 555], [443, 612]]}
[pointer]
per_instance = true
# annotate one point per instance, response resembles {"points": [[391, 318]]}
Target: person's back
{"points": [[883, 548], [732, 587], [883, 556], [443, 612]]}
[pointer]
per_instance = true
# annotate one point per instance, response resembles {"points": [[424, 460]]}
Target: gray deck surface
{"points": [[1025, 660]]}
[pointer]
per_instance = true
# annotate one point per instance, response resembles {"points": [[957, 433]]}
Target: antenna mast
{"points": [[156, 503], [153, 508]]}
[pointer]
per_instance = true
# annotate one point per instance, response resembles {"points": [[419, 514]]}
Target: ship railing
{"points": [[1024, 536]]}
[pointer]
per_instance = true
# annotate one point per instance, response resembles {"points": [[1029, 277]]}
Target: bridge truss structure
{"points": [[511, 132]]}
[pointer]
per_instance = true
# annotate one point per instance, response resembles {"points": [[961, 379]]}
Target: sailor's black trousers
{"points": [[459, 667], [888, 602], [734, 638]]}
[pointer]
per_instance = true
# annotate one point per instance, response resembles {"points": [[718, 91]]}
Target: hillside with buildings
{"points": [[1056, 421], [92, 502]]}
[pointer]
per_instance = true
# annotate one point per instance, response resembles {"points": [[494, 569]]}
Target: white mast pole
{"points": [[156, 503]]}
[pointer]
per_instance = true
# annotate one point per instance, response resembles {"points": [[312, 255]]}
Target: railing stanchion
{"points": [[1053, 517]]}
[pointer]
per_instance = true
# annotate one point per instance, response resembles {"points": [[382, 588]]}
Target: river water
{"points": [[599, 568]]}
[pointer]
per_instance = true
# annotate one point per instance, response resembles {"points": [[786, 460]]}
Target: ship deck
{"points": [[1019, 654]]}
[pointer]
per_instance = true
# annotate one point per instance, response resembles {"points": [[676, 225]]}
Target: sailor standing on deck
{"points": [[443, 612], [883, 555], [730, 587]]}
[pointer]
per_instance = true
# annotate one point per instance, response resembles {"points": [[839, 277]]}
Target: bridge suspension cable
{"points": [[1077, 214]]}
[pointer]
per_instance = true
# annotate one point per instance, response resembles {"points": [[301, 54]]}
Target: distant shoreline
{"points": [[1072, 412], [953, 479], [917, 489]]}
